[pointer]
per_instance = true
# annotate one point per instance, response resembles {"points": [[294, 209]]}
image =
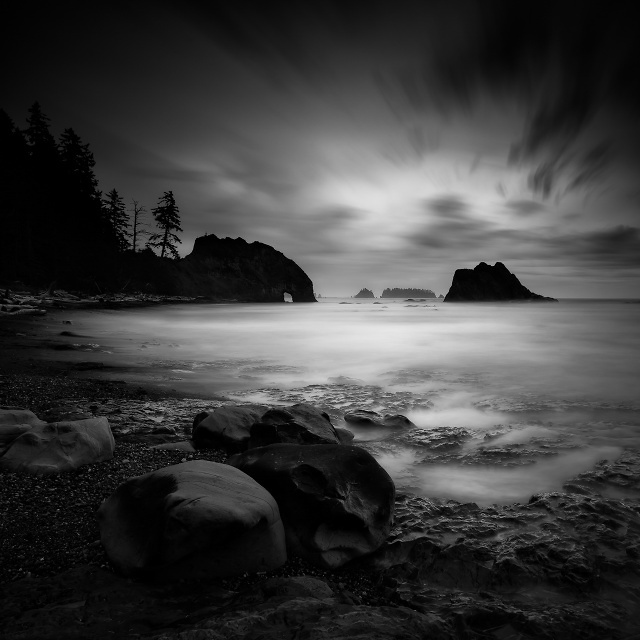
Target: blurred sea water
{"points": [[507, 399]]}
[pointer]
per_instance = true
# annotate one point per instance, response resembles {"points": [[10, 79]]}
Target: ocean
{"points": [[506, 399]]}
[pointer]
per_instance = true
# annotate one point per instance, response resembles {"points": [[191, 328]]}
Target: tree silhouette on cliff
{"points": [[167, 216]]}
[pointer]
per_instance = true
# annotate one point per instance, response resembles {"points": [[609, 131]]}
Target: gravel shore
{"points": [[48, 523]]}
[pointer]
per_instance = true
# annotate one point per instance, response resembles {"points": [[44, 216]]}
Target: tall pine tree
{"points": [[167, 216], [116, 216], [84, 233], [15, 228], [44, 197]]}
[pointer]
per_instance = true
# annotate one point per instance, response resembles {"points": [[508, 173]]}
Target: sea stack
{"points": [[485, 283], [234, 269], [364, 293]]}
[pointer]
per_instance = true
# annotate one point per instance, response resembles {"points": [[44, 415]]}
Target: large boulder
{"points": [[13, 423], [60, 446], [301, 424], [336, 501], [227, 427], [195, 519], [489, 284]]}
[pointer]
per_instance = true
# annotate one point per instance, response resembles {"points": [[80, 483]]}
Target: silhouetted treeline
{"points": [[56, 227]]}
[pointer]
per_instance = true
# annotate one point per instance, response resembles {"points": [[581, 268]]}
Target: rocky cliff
{"points": [[233, 268], [487, 283]]}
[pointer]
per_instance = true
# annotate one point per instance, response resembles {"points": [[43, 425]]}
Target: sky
{"points": [[379, 144]]}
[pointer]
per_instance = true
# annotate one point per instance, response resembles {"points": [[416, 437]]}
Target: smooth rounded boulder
{"points": [[298, 424], [336, 501], [197, 519], [227, 427], [15, 421], [60, 446]]}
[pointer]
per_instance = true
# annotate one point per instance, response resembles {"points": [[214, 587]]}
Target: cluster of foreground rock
{"points": [[564, 565], [295, 487]]}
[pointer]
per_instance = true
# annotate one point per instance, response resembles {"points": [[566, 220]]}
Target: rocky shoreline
{"points": [[566, 564]]}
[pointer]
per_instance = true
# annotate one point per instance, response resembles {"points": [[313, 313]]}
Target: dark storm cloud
{"points": [[567, 63], [525, 207], [452, 224], [567, 58], [449, 223], [449, 207], [591, 165], [619, 246]]}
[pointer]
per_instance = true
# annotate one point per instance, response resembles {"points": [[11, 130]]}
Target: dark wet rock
{"points": [[437, 438], [227, 427], [619, 478], [59, 446], [367, 418], [336, 501], [562, 559], [192, 519], [300, 424], [87, 602], [364, 293], [344, 435], [487, 283], [234, 269], [282, 618]]}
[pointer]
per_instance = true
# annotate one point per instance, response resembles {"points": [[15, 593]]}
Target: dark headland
{"points": [[485, 283]]}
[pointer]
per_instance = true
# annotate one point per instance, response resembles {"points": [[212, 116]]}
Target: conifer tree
{"points": [[15, 228], [81, 226], [116, 217], [43, 197], [77, 162], [167, 216], [42, 145]]}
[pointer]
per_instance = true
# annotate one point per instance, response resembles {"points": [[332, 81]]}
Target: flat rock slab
{"points": [[59, 446], [192, 519], [336, 501]]}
